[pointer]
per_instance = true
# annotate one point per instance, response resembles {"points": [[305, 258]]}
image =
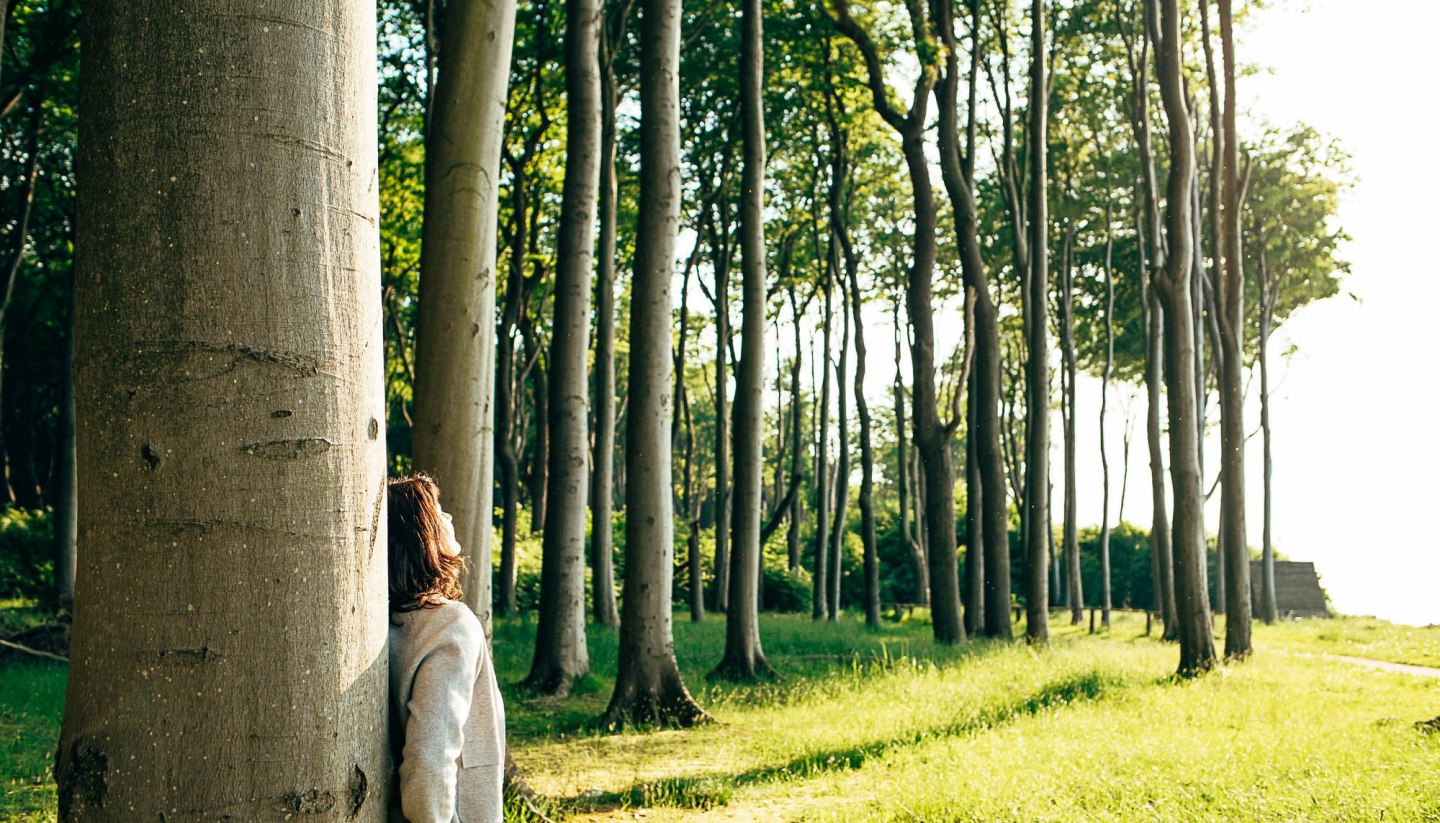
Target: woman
{"points": [[447, 724]]}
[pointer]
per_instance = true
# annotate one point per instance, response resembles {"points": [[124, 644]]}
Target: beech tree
{"points": [[743, 657], [229, 404], [931, 435], [649, 687], [455, 347], [560, 652], [1192, 601]]}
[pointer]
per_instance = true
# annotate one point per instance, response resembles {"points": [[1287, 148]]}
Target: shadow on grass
{"points": [[711, 790]]}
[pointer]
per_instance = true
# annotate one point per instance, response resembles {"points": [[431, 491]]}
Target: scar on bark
{"points": [[311, 802], [294, 449], [359, 790], [150, 456]]}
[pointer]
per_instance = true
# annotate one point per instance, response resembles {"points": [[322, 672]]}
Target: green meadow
{"points": [[885, 725]]}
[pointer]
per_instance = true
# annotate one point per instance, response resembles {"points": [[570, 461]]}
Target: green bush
{"points": [[786, 591], [27, 554]]}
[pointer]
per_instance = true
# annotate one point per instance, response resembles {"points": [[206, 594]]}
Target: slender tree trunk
{"points": [[649, 688], [11, 271], [821, 588], [232, 470], [988, 510], [1075, 592], [1197, 647], [932, 438], [743, 656], [1037, 383], [1217, 152], [561, 656], [867, 461], [691, 506], [1232, 396], [906, 476], [1268, 609], [792, 533], [722, 420], [840, 525], [602, 490], [1104, 407], [537, 355], [455, 346], [64, 521], [974, 523]]}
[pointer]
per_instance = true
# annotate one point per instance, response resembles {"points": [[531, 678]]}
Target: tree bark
{"points": [[1197, 647], [743, 658], [974, 524], [232, 564], [1037, 383], [561, 656], [649, 688]]}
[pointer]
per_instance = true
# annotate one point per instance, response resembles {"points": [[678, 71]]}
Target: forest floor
{"points": [[887, 726]]}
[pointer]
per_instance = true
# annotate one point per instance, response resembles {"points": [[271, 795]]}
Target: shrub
{"points": [[27, 554]]}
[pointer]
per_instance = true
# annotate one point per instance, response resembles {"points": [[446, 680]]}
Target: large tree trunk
{"points": [[1070, 548], [649, 688], [1232, 396], [232, 468], [1197, 647], [602, 489], [743, 657], [1037, 373], [1267, 313], [561, 656]]}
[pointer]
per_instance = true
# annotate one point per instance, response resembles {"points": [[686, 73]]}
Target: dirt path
{"points": [[1384, 665]]}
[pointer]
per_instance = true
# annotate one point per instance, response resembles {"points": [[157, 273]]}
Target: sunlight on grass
{"points": [[866, 725]]}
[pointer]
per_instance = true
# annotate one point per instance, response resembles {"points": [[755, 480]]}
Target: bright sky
{"points": [[1355, 456]]}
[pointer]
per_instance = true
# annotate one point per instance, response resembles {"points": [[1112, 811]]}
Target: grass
{"points": [[887, 726]]}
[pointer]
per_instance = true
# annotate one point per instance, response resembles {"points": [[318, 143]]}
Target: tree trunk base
{"points": [[650, 708], [743, 669]]}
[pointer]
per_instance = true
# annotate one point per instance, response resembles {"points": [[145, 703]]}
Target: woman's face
{"points": [[452, 546]]}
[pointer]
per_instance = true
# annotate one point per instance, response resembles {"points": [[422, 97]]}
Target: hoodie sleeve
{"points": [[439, 704]]}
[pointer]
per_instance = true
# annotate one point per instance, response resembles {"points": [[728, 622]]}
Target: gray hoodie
{"points": [[447, 723]]}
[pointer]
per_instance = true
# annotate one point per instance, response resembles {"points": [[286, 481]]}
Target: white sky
{"points": [[1355, 460]]}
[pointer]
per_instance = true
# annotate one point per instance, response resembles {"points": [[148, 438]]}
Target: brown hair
{"points": [[422, 573]]}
